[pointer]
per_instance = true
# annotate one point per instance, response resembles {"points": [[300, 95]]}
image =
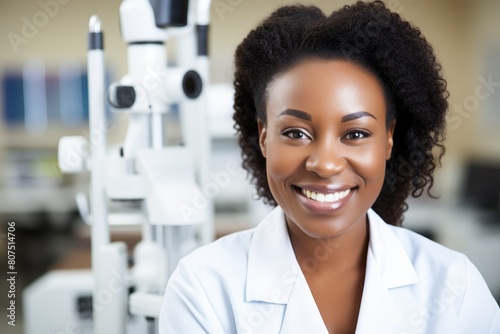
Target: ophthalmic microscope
{"points": [[162, 184]]}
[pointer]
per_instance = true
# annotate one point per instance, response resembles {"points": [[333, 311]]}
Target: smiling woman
{"points": [[336, 146], [325, 161], [332, 113]]}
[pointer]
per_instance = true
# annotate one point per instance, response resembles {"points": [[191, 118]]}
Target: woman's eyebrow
{"points": [[296, 113], [356, 115]]}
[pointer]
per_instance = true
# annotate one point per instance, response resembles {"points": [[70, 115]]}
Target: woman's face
{"points": [[326, 144]]}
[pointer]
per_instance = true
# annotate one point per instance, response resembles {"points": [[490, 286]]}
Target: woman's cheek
{"points": [[281, 162], [372, 165]]}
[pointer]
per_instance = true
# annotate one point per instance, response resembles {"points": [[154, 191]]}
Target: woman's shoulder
{"points": [[433, 264], [447, 276], [420, 248], [204, 284], [439, 267]]}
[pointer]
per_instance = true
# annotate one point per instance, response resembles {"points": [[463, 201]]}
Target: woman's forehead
{"points": [[326, 84]]}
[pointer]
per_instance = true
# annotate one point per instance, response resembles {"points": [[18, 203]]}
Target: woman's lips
{"points": [[324, 202]]}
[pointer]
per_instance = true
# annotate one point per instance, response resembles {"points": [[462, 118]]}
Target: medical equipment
{"points": [[164, 185]]}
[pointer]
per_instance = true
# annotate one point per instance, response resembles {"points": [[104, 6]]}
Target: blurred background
{"points": [[43, 96]]}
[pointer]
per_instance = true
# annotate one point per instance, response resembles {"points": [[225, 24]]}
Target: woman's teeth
{"points": [[325, 198]]}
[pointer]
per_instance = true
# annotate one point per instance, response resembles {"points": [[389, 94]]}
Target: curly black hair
{"points": [[372, 36]]}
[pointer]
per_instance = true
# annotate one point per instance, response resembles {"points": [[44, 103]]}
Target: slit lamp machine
{"points": [[162, 184]]}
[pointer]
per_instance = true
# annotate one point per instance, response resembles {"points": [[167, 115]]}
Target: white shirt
{"points": [[251, 282]]}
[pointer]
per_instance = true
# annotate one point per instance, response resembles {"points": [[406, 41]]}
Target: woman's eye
{"points": [[295, 134], [356, 135]]}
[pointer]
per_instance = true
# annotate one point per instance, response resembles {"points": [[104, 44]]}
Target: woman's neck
{"points": [[333, 255]]}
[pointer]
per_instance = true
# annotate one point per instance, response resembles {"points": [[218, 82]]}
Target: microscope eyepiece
{"points": [[192, 84], [122, 97], [169, 13]]}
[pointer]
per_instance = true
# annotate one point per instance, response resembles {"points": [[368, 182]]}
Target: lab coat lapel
{"points": [[274, 276], [272, 267], [378, 312], [387, 267], [301, 313]]}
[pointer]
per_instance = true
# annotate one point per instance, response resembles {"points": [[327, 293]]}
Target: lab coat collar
{"points": [[388, 257], [274, 275], [387, 267], [272, 267]]}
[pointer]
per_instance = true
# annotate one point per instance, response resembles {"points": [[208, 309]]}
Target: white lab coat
{"points": [[250, 282]]}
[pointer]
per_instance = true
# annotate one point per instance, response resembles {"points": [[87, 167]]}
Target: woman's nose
{"points": [[325, 160]]}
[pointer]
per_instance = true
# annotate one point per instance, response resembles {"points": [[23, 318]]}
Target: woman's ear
{"points": [[262, 136], [390, 141]]}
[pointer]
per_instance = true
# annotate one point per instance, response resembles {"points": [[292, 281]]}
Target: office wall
{"points": [[463, 32]]}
